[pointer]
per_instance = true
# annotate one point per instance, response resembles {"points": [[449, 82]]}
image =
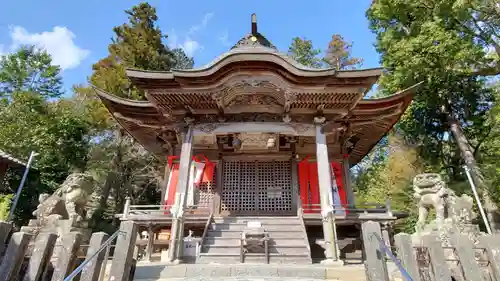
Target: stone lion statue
{"points": [[431, 192], [68, 201]]}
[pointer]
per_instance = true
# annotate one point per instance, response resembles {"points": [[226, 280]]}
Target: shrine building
{"points": [[254, 136]]}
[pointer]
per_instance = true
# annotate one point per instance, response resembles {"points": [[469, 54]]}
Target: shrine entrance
{"points": [[257, 187]]}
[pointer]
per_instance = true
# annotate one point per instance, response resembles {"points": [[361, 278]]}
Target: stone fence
{"points": [[430, 261], [40, 259]]}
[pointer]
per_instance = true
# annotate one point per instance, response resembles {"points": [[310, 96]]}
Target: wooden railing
{"points": [[207, 225], [160, 210], [350, 209], [304, 230]]}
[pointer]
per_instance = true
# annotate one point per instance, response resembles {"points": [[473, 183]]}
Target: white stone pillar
{"points": [[177, 230], [325, 190]]}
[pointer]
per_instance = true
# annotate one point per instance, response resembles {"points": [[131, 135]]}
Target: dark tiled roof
{"points": [[5, 157]]}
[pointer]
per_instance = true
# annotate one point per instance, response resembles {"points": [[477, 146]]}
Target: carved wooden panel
{"points": [[257, 187]]}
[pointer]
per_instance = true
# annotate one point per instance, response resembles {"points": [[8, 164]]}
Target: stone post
{"points": [[386, 234], [93, 269], [5, 228], [66, 255], [407, 255], [124, 251], [150, 245], [177, 231], [40, 257], [325, 191], [14, 256], [437, 258], [376, 267], [490, 242], [464, 248]]}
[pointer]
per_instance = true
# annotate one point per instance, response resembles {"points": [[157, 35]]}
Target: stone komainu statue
{"points": [[431, 192], [68, 201]]}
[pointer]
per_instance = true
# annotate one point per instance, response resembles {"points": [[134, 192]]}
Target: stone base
{"points": [[332, 262]]}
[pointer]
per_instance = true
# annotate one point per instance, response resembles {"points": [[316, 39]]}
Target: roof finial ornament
{"points": [[254, 24]]}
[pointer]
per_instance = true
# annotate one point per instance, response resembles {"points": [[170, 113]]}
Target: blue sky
{"points": [[77, 33]]}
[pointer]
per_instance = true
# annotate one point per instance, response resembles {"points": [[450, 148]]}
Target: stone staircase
{"points": [[288, 241]]}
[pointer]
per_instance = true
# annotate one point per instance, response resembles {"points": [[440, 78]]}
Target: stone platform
{"points": [[246, 272]]}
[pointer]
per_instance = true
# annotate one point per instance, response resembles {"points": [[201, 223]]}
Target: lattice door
{"points": [[257, 187]]}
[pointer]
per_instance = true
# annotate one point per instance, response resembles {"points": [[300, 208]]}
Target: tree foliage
{"points": [[29, 70], [302, 51], [137, 44], [121, 165], [391, 178], [418, 42], [338, 54], [52, 129]]}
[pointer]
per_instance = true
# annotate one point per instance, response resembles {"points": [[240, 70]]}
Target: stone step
{"points": [[282, 234], [238, 271], [223, 241], [285, 250], [253, 259], [267, 226]]}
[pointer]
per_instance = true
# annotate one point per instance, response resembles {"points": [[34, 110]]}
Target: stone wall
{"points": [[431, 261], [44, 260]]}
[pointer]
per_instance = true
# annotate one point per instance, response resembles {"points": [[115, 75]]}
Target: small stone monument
{"points": [[64, 210]]}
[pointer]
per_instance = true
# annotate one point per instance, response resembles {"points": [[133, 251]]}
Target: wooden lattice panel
{"points": [[257, 186], [206, 191]]}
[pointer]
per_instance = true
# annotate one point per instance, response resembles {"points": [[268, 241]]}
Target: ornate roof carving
{"points": [[254, 38], [369, 120]]}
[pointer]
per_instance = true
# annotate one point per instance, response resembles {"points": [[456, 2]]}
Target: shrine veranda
{"points": [[255, 134]]}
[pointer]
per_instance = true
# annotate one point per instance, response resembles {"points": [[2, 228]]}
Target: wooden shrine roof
{"points": [[370, 120], [254, 82]]}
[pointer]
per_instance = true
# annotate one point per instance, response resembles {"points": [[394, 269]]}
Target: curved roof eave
{"points": [[403, 95], [390, 99], [253, 54], [119, 100]]}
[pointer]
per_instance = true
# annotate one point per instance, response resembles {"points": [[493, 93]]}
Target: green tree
{"points": [[121, 166], [52, 129], [489, 150], [181, 60], [303, 52], [419, 44], [29, 70], [391, 178], [339, 54], [138, 44]]}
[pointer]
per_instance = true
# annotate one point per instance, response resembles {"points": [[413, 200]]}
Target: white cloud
{"points": [[58, 43], [190, 45], [224, 39], [195, 28]]}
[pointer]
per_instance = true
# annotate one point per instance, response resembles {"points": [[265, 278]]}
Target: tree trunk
{"points": [[470, 161], [111, 177]]}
